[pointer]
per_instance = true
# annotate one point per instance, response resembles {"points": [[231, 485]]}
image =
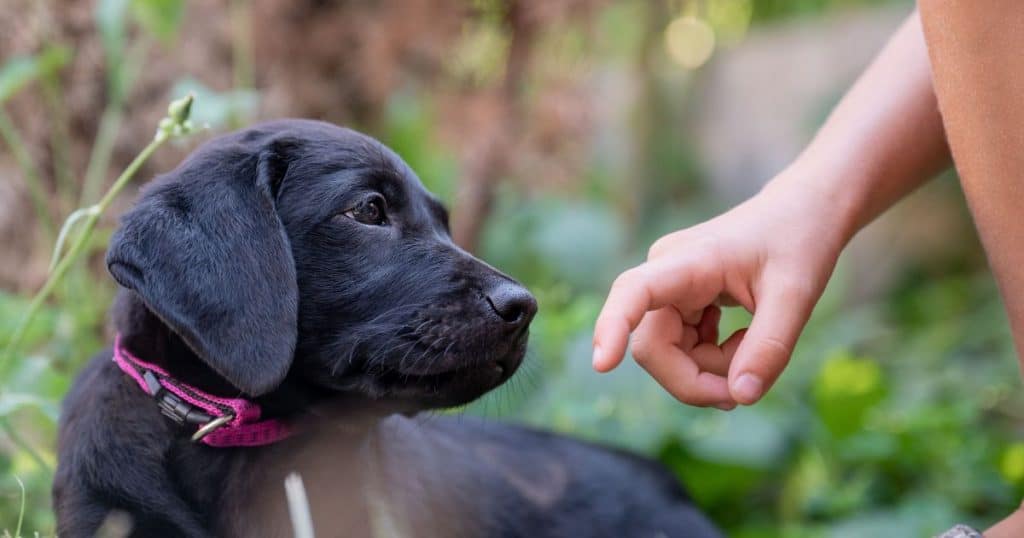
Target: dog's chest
{"points": [[394, 481]]}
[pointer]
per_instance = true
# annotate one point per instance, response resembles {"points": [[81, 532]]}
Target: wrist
{"points": [[834, 197]]}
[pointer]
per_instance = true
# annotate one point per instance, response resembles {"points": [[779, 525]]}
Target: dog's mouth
{"points": [[495, 369], [450, 380]]}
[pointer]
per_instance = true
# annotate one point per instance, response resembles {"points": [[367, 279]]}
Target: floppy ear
{"points": [[205, 250]]}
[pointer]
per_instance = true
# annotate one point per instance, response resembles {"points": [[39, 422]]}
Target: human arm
{"points": [[774, 253], [978, 69]]}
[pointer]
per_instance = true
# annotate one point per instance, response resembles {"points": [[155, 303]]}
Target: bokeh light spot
{"points": [[689, 41]]}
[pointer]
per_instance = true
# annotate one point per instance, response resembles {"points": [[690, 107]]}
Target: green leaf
{"points": [[16, 73], [408, 129], [19, 71], [749, 436], [847, 388], [721, 483], [11, 308], [53, 58], [160, 18], [110, 16], [110, 20], [577, 238], [12, 401]]}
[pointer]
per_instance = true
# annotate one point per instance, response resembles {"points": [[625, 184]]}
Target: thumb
{"points": [[779, 318]]}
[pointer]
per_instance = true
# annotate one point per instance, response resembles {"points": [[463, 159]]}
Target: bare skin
{"points": [[774, 253], [975, 49]]}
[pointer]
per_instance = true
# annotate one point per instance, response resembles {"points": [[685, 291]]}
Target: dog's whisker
{"points": [[395, 310]]}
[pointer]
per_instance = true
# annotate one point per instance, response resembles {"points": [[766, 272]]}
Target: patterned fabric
{"points": [[245, 427], [960, 531]]}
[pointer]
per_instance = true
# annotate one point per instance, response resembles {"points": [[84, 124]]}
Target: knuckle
{"points": [[775, 348], [627, 279], [701, 274], [703, 268], [657, 248], [707, 246]]}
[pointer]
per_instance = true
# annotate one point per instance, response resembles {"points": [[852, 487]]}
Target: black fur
{"points": [[259, 268]]}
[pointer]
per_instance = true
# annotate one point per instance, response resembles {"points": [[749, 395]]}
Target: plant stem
{"points": [[33, 181], [175, 124], [110, 124], [76, 249], [21, 511], [102, 149], [59, 138]]}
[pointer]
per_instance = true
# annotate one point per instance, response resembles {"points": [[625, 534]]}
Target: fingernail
{"points": [[748, 388], [726, 406], [596, 355]]}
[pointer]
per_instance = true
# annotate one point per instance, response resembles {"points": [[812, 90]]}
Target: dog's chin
{"points": [[452, 388], [470, 379]]}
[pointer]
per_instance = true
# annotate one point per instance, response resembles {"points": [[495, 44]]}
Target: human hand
{"points": [[773, 255]]}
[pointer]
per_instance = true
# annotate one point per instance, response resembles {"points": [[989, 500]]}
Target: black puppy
{"points": [[291, 292]]}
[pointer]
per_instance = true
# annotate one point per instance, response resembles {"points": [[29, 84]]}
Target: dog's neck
{"points": [[150, 339]]}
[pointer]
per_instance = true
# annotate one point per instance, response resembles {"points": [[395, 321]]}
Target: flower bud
{"points": [[179, 109]]}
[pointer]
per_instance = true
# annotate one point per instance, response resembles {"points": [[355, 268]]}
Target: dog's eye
{"points": [[369, 210]]}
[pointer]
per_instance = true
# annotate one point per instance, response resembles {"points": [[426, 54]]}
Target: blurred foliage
{"points": [[884, 424], [773, 10], [898, 416], [17, 72]]}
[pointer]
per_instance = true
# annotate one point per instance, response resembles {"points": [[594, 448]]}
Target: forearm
{"points": [[1010, 527], [883, 140], [975, 50]]}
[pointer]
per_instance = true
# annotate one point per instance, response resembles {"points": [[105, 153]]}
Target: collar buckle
{"points": [[211, 427], [182, 412], [236, 418]]}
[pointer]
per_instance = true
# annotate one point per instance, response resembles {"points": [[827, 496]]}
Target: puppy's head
{"points": [[298, 246]]}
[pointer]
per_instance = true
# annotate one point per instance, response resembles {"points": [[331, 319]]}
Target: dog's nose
{"points": [[512, 302]]}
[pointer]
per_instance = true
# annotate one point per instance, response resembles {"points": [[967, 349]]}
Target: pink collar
{"points": [[223, 422]]}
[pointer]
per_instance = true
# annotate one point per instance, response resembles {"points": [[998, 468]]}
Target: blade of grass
{"points": [[36, 189], [110, 125], [175, 124], [15, 74], [75, 250], [59, 138], [69, 224], [21, 511]]}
